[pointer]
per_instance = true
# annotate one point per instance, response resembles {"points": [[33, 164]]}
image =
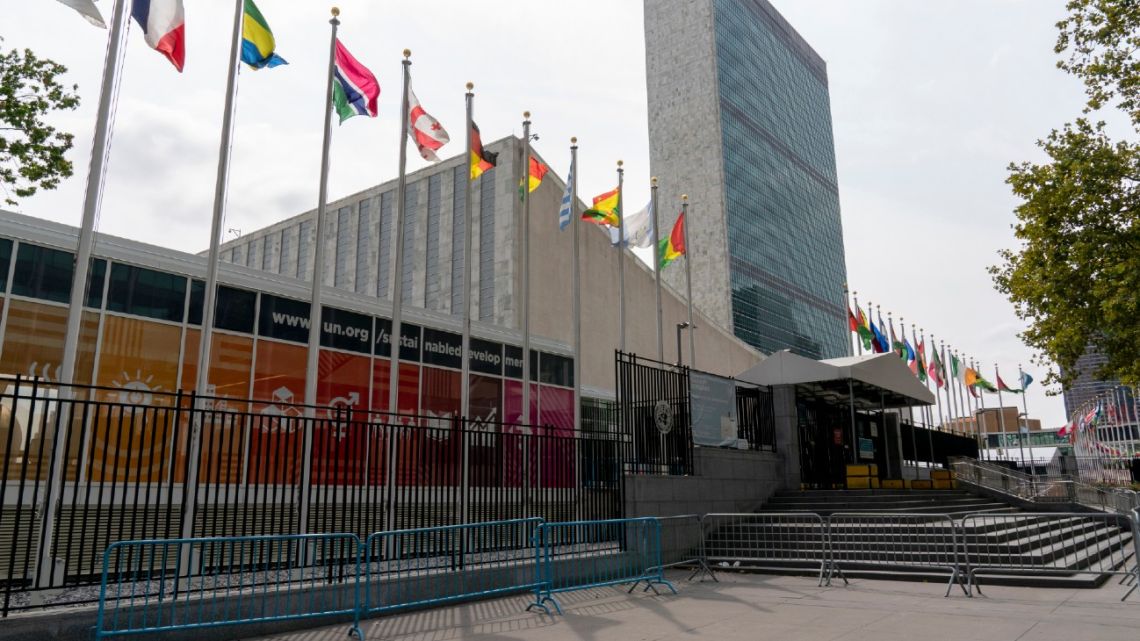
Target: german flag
{"points": [[481, 159]]}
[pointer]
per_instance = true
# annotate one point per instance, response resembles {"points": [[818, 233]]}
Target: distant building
{"points": [[740, 120], [1087, 386]]}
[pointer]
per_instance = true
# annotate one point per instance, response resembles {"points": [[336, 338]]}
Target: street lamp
{"points": [[680, 327]]}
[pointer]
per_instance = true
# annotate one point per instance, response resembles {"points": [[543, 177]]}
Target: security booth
{"points": [[852, 422]]}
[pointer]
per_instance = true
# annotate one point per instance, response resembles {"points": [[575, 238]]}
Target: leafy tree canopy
{"points": [[32, 153], [1076, 276]]}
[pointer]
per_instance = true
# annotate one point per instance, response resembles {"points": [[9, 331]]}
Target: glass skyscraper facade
{"points": [[779, 221]]}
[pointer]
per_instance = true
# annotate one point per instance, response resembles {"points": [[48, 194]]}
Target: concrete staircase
{"points": [[1047, 551]]}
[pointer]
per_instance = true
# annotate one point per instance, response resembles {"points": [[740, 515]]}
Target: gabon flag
{"points": [[673, 247]]}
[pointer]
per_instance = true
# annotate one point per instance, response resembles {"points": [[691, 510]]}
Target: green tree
{"points": [[32, 153], [1076, 275]]}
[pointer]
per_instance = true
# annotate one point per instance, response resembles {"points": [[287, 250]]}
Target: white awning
{"points": [[880, 378]]}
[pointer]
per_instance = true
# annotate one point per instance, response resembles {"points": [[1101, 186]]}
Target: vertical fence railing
{"points": [[896, 540], [653, 408], [584, 554], [229, 581], [126, 453], [775, 541]]}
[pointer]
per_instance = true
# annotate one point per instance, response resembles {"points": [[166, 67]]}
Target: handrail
{"points": [[1050, 489]]}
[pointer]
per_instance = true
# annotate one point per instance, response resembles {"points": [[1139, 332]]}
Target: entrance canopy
{"points": [[870, 381]]}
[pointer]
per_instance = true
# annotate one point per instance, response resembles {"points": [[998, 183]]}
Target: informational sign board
{"points": [[712, 405], [866, 448]]}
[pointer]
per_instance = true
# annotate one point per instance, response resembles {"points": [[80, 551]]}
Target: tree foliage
{"points": [[1076, 276], [32, 153]]}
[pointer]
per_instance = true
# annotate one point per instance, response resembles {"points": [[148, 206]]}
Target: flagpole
{"points": [[858, 334], [874, 339], [221, 188], [398, 241], [621, 260], [937, 390], [1025, 410], [656, 264], [1001, 411], [526, 417], [92, 199], [468, 248], [577, 282], [314, 347], [688, 280], [847, 300], [929, 412]]}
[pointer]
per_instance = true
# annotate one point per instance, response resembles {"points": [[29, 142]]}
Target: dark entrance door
{"points": [[823, 444]]}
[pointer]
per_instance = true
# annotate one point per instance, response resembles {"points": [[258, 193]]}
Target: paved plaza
{"points": [[752, 607]]}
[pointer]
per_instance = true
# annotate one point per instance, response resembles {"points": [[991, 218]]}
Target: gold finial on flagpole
{"points": [[407, 53], [470, 86], [620, 163], [526, 115], [654, 180], [335, 11], [684, 196], [573, 140]]}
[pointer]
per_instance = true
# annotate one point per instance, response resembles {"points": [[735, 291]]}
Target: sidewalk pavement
{"points": [[752, 607]]}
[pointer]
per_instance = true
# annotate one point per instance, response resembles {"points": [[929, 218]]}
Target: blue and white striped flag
{"points": [[567, 196]]}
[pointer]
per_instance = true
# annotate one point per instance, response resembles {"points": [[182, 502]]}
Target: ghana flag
{"points": [[481, 159], [673, 247], [604, 210]]}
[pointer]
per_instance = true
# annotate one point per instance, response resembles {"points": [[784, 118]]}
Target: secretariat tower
{"points": [[740, 120]]}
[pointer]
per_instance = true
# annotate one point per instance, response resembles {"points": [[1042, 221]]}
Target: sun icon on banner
{"points": [[136, 390]]}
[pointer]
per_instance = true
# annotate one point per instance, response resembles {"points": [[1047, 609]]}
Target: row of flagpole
{"points": [[952, 401], [252, 42]]}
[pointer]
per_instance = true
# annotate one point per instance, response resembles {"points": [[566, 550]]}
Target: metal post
{"points": [[91, 202], [526, 417], [314, 348], [1001, 413], [398, 225], [577, 284], [688, 280], [656, 264], [621, 261], [851, 404], [883, 428], [680, 359], [468, 262], [858, 313]]}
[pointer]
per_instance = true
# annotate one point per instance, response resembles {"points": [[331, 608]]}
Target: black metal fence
{"points": [[756, 418], [653, 407], [83, 467]]}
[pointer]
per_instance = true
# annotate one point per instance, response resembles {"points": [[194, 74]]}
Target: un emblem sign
{"points": [[663, 416]]}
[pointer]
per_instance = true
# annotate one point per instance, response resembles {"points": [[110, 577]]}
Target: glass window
{"points": [[146, 292], [5, 259], [96, 280], [233, 310], [44, 273], [556, 370]]}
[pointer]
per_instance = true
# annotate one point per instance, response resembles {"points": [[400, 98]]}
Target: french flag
{"points": [[164, 25]]}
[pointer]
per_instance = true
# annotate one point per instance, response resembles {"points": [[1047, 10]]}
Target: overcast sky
{"points": [[930, 100]]}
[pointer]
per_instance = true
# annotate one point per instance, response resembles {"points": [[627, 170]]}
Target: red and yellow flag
{"points": [[534, 176], [481, 159], [605, 209], [673, 247]]}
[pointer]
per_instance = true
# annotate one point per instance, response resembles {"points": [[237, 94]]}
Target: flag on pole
{"points": [[956, 370], [1006, 388], [937, 372], [922, 360], [604, 210], [355, 90], [481, 159], [638, 228], [911, 357], [673, 247], [865, 329], [88, 10], [164, 27], [882, 345], [425, 130], [258, 48], [981, 383], [535, 171], [567, 200], [852, 324], [1026, 379]]}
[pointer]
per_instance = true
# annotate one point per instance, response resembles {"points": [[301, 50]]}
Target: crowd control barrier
{"points": [[577, 555], [895, 540], [187, 584], [1065, 544], [767, 540], [433, 566], [683, 544]]}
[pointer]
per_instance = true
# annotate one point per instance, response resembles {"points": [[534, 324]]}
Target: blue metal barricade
{"points": [[584, 554], [432, 566], [164, 585]]}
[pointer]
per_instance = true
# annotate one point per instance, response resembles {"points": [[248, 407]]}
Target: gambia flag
{"points": [[673, 247], [605, 210], [355, 90]]}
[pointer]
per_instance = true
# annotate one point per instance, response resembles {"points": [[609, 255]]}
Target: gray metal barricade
{"points": [[432, 566], [897, 541], [584, 554], [683, 544], [767, 540], [1057, 544], [150, 587]]}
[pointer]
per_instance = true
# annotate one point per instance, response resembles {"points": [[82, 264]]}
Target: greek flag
{"points": [[567, 196]]}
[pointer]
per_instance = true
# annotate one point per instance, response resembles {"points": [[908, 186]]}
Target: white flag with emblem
{"points": [[638, 228], [426, 131]]}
